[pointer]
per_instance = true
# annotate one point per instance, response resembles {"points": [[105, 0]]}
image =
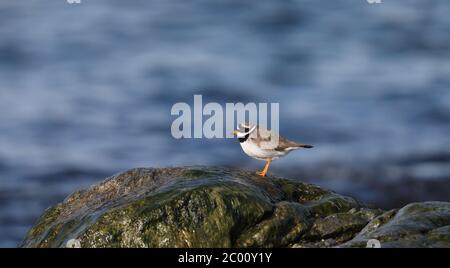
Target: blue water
{"points": [[86, 91]]}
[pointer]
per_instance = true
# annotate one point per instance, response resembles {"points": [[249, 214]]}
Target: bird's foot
{"points": [[266, 168], [261, 173]]}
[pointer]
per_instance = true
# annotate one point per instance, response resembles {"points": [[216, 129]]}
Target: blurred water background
{"points": [[86, 91]]}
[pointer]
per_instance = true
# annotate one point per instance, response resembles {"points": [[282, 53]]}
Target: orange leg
{"points": [[266, 168]]}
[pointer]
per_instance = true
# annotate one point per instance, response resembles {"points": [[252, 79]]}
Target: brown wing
{"points": [[270, 140], [284, 143]]}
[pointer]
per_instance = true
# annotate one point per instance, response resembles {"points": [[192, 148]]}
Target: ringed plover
{"points": [[263, 144]]}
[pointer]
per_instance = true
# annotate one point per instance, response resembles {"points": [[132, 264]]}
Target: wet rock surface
{"points": [[217, 207], [425, 224]]}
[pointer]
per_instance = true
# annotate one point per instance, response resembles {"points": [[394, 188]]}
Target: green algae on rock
{"points": [[209, 207], [425, 224]]}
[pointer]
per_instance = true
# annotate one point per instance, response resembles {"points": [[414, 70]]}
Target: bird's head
{"points": [[244, 131]]}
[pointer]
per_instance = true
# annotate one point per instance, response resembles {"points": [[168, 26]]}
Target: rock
{"points": [[424, 224], [216, 207]]}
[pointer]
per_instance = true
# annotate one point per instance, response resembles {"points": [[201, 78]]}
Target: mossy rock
{"points": [[425, 224], [203, 207]]}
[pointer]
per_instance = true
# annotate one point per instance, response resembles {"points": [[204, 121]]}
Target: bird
{"points": [[262, 144]]}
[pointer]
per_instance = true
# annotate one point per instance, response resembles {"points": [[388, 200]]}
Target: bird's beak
{"points": [[234, 132]]}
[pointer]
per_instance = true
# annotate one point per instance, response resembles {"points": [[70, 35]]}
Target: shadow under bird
{"points": [[263, 144]]}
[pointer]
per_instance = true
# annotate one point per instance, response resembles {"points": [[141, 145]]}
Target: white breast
{"points": [[252, 150]]}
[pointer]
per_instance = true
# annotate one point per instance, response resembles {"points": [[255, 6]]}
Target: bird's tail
{"points": [[305, 146]]}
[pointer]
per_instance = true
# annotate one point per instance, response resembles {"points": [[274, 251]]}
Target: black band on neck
{"points": [[241, 140]]}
